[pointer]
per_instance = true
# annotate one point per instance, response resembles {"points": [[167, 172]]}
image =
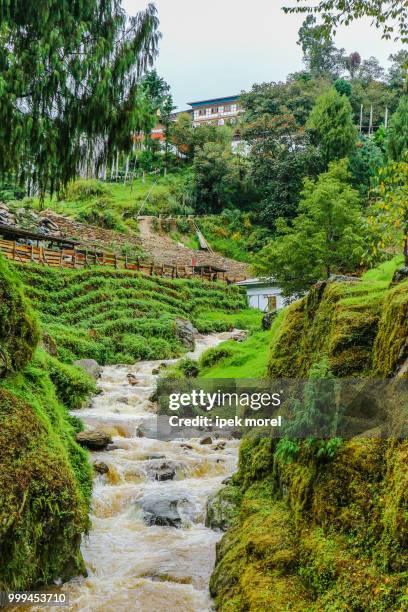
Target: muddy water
{"points": [[133, 565]]}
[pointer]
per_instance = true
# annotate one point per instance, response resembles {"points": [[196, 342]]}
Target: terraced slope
{"points": [[119, 316]]}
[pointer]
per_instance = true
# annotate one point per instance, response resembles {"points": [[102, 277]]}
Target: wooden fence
{"points": [[71, 258]]}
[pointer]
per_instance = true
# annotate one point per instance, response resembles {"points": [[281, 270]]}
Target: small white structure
{"points": [[263, 293]]}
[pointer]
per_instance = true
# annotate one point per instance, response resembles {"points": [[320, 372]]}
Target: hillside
{"points": [[45, 478], [119, 316], [330, 533]]}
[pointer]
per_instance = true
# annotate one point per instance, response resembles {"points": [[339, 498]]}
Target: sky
{"points": [[214, 48]]}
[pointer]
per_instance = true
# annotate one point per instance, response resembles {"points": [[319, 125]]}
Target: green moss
{"points": [[18, 327], [45, 486]]}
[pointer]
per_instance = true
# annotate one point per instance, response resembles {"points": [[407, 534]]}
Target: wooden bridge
{"points": [[77, 258]]}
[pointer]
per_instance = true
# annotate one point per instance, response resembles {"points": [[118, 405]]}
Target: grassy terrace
{"points": [[120, 316]]}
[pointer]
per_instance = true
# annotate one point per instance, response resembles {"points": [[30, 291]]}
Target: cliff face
{"points": [[45, 479], [331, 534]]}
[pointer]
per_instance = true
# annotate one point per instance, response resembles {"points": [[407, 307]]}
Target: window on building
{"points": [[214, 110], [227, 109], [202, 112]]}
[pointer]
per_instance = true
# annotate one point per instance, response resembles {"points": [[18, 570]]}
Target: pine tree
{"points": [[397, 139], [69, 85], [331, 127]]}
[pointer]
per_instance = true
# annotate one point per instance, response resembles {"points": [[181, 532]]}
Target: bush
{"points": [[72, 384], [84, 189], [19, 332], [214, 355]]}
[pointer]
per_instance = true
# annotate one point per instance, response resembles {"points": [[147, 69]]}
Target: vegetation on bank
{"points": [[119, 316], [45, 479], [314, 532]]}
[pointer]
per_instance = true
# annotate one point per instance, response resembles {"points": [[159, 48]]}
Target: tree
{"points": [[389, 212], [69, 85], [370, 70], [364, 164], [221, 179], [327, 237], [161, 103], [398, 71], [331, 126], [343, 87], [353, 63], [319, 53], [188, 139], [397, 136], [390, 16]]}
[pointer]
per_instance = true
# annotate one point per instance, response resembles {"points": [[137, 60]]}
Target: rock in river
{"points": [[90, 366], [93, 439], [161, 508]]}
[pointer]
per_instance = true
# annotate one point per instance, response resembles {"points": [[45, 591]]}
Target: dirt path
{"points": [[164, 250]]}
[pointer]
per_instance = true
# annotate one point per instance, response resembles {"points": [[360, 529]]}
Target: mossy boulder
{"points": [[19, 331], [44, 496]]}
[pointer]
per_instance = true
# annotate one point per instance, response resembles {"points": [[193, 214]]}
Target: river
{"points": [[134, 565]]}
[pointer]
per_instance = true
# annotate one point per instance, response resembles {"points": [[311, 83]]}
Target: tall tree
{"points": [[391, 16], [319, 53], [331, 126], [397, 137], [389, 217], [353, 63], [326, 237], [398, 71], [69, 85]]}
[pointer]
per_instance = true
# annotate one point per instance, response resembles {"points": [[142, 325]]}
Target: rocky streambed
{"points": [[149, 548]]}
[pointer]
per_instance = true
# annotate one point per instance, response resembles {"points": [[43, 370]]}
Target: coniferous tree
{"points": [[397, 140], [69, 91]]}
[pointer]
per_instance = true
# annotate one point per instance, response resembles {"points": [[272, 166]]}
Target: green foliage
{"points": [[364, 164], [319, 53], [45, 479], [331, 126], [391, 17], [72, 384], [118, 316], [389, 212], [397, 135], [19, 332], [83, 189], [78, 83], [343, 87], [327, 237], [221, 180]]}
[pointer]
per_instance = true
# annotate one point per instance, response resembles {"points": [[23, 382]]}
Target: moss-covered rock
{"points": [[18, 327], [333, 535], [45, 485]]}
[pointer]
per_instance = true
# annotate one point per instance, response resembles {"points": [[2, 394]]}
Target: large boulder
{"points": [[400, 275], [93, 439], [90, 366], [222, 508], [165, 509], [267, 320], [185, 332]]}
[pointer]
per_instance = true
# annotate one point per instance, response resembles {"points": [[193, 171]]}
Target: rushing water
{"points": [[131, 565]]}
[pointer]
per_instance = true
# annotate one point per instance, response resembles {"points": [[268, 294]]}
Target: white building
{"points": [[217, 111], [263, 293]]}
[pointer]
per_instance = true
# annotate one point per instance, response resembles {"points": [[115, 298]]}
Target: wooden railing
{"points": [[70, 258]]}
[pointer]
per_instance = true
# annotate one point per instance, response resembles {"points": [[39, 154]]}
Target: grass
{"points": [[118, 316]]}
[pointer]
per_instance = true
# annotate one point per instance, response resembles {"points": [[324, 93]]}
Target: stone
{"points": [[227, 480], [93, 439], [342, 278], [267, 320], [49, 344], [206, 440], [90, 366], [112, 447], [185, 332], [155, 371], [219, 446], [221, 509], [187, 446], [100, 467], [161, 508], [162, 471], [400, 275], [132, 380], [239, 335]]}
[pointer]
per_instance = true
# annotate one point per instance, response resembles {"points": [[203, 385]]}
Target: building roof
{"points": [[214, 101], [263, 282]]}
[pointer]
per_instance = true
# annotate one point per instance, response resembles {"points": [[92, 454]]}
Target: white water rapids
{"points": [[131, 565]]}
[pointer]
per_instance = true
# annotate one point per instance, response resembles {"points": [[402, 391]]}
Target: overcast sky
{"points": [[213, 48]]}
